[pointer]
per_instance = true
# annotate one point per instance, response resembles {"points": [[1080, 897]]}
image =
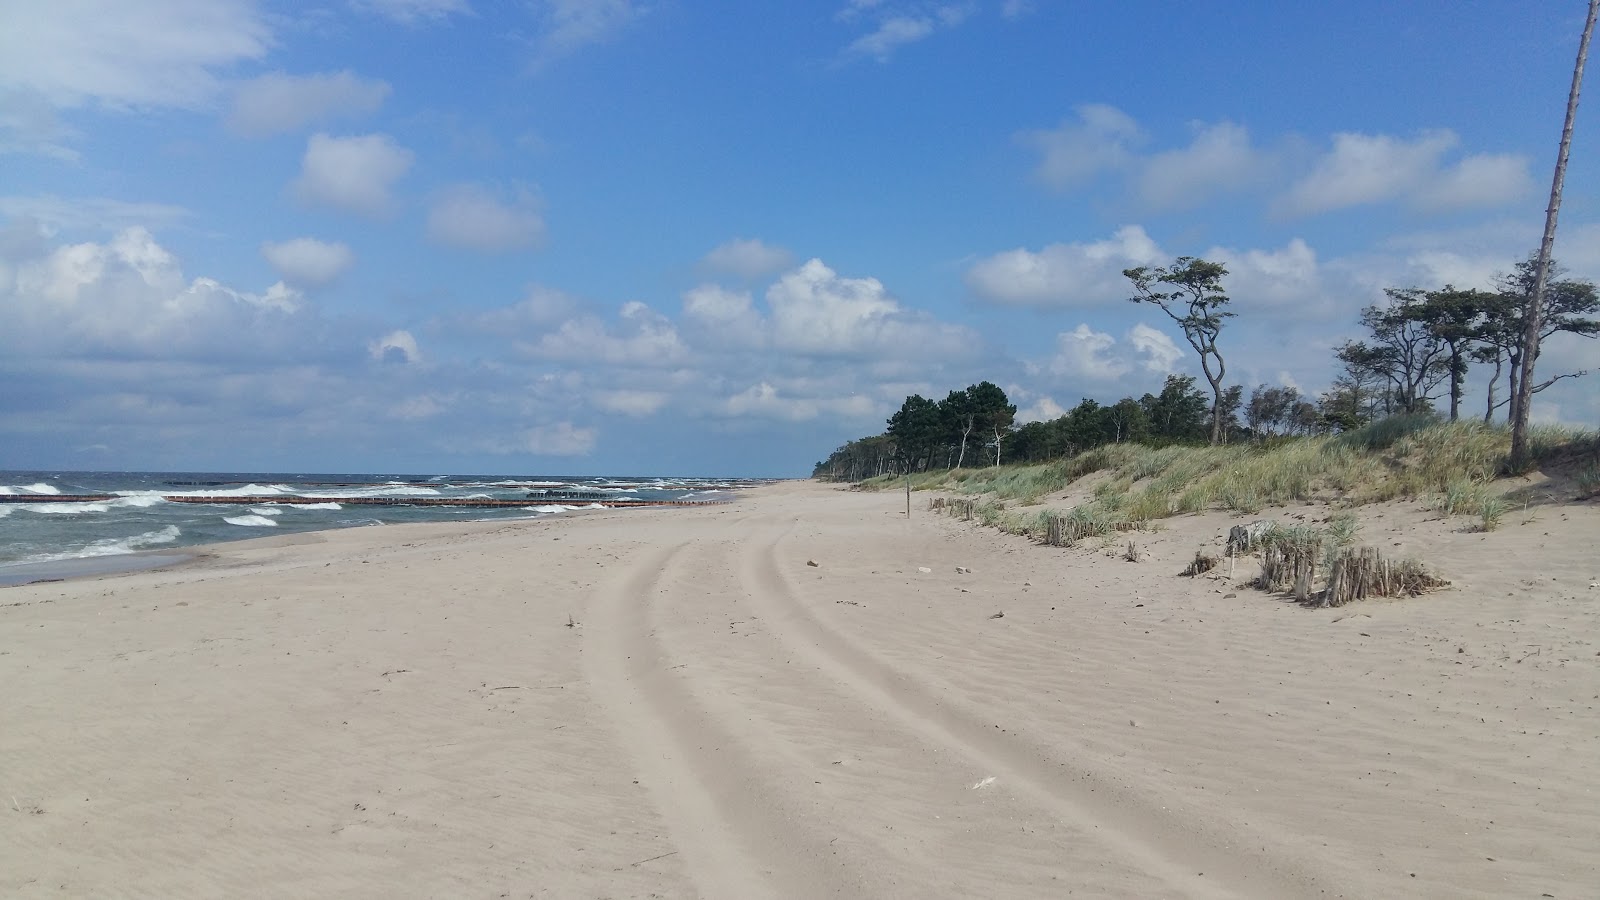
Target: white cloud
{"points": [[1485, 180], [396, 346], [89, 212], [29, 124], [559, 439], [900, 24], [307, 262], [470, 217], [747, 258], [1160, 352], [1220, 158], [725, 316], [1044, 409], [816, 311], [1015, 9], [1363, 169], [410, 12], [1060, 275], [1290, 275], [352, 174], [570, 25], [1084, 353], [642, 337], [630, 402], [1102, 139], [422, 406], [767, 401], [276, 102], [130, 296], [154, 53]]}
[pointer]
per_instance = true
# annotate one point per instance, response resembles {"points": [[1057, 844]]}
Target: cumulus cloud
{"points": [[767, 401], [641, 337], [129, 296], [397, 347], [1084, 354], [815, 310], [1160, 352], [559, 439], [1288, 275], [157, 53], [1041, 409], [725, 316], [747, 258], [1219, 159], [1364, 169], [471, 217], [352, 174], [1102, 139], [1061, 275], [307, 262], [275, 103]]}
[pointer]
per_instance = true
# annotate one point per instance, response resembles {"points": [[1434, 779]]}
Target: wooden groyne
{"points": [[289, 500]]}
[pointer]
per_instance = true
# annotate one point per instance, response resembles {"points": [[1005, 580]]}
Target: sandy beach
{"points": [[799, 695]]}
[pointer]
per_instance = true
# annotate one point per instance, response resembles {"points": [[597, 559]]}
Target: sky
{"points": [[668, 237]]}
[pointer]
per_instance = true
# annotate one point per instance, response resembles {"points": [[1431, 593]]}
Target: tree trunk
{"points": [[1457, 375], [1488, 414], [1520, 455]]}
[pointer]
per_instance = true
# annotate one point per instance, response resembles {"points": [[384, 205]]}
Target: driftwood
{"points": [[1289, 559], [1244, 538], [1364, 572], [1201, 565]]}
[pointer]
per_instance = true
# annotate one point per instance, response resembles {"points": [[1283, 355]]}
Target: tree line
{"points": [[1420, 346]]}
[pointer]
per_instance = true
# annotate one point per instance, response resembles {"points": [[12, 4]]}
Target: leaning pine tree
{"points": [[1190, 293], [1520, 453]]}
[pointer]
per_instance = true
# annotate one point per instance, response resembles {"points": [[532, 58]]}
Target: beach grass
{"points": [[1452, 465]]}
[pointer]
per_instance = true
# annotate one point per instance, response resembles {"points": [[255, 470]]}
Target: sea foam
{"points": [[35, 488], [251, 521]]}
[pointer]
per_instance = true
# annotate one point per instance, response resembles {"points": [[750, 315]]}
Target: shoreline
{"points": [[72, 568], [799, 694]]}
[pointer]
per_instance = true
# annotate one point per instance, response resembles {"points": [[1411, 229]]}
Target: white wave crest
{"points": [[37, 487], [376, 490], [251, 521], [317, 506], [138, 499], [249, 490], [118, 546], [6, 511], [68, 509], [266, 510]]}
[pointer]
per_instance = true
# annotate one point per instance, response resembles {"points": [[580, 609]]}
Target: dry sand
{"points": [[410, 712]]}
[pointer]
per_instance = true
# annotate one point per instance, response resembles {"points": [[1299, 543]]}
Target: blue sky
{"points": [[668, 237]]}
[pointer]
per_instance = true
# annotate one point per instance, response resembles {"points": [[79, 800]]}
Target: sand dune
{"points": [[662, 703]]}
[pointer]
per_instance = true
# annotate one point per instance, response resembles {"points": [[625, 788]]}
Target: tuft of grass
{"points": [[1492, 510], [1589, 482], [1462, 496]]}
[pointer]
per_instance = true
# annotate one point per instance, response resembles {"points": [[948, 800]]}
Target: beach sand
{"points": [[676, 703]]}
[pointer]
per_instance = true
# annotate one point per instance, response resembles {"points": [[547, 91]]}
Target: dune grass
{"points": [[1412, 457]]}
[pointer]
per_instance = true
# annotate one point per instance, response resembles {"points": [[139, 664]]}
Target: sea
{"points": [[122, 533]]}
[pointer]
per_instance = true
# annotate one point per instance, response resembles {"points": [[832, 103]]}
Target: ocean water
{"points": [[138, 518]]}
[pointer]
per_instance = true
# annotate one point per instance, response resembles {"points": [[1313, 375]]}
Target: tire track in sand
{"points": [[726, 818], [1179, 853]]}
